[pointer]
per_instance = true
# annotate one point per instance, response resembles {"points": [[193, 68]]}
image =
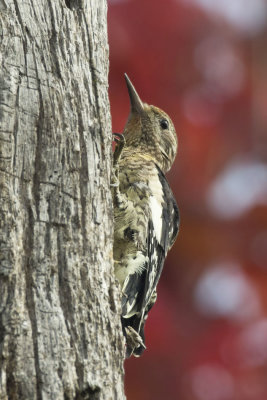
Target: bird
{"points": [[146, 216]]}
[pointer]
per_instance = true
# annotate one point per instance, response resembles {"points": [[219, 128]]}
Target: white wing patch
{"points": [[156, 213], [155, 202]]}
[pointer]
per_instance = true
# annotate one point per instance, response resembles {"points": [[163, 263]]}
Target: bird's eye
{"points": [[164, 124]]}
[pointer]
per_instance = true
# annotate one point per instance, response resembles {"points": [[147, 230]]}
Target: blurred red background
{"points": [[204, 62]]}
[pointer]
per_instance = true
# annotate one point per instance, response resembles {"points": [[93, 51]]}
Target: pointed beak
{"points": [[136, 103]]}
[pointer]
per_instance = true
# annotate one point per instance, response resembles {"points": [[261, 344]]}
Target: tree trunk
{"points": [[60, 331]]}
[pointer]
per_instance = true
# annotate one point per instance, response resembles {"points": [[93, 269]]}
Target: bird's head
{"points": [[150, 131]]}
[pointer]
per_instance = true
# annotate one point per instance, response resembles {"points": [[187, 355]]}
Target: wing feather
{"points": [[139, 292]]}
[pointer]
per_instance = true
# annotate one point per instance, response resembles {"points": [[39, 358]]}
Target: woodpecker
{"points": [[146, 216]]}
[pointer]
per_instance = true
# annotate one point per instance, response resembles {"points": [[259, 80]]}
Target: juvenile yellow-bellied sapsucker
{"points": [[145, 212]]}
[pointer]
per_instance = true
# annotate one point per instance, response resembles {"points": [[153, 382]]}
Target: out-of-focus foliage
{"points": [[205, 63]]}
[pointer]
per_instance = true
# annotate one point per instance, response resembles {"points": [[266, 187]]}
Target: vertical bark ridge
{"points": [[60, 331]]}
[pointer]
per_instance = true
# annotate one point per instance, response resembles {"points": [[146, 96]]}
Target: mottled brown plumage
{"points": [[145, 212]]}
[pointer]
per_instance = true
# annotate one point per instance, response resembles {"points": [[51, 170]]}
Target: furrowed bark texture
{"points": [[60, 331]]}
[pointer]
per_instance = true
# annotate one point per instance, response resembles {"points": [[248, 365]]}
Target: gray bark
{"points": [[60, 331]]}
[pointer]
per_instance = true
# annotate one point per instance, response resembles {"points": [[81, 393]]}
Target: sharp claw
{"points": [[120, 135], [134, 338], [120, 143]]}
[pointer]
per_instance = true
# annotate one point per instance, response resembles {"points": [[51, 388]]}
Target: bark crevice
{"points": [[60, 330]]}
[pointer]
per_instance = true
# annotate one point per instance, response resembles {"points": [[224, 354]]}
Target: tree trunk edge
{"points": [[56, 221]]}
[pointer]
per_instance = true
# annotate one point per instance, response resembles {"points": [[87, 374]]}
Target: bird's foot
{"points": [[120, 142], [119, 139], [133, 340]]}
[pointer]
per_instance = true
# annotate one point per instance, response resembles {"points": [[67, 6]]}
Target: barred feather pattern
{"points": [[146, 225], [146, 217]]}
